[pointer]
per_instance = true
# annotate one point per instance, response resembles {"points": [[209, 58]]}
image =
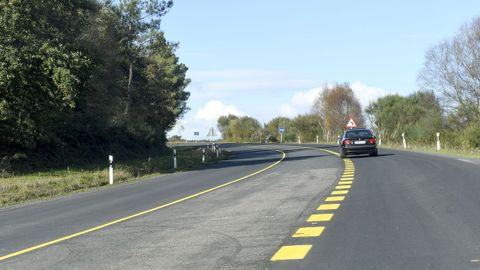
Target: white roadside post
{"points": [[379, 139], [218, 150], [404, 141], [110, 169], [175, 159], [317, 139], [299, 141], [438, 141], [203, 155]]}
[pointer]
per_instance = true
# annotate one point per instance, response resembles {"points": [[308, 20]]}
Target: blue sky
{"points": [[265, 58]]}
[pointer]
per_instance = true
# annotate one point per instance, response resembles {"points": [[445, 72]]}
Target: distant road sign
{"points": [[211, 132], [281, 130], [351, 124], [196, 133]]}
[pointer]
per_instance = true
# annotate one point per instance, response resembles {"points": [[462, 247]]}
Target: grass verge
{"points": [[16, 189], [432, 150]]}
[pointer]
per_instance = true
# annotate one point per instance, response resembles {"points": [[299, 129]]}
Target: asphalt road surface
{"points": [[300, 208]]}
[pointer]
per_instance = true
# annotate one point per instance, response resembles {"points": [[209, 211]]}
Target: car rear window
{"points": [[353, 134]]}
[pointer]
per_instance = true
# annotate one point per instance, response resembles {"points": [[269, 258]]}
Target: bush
{"points": [[470, 137]]}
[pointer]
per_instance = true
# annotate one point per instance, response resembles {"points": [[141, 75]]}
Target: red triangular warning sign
{"points": [[351, 124]]}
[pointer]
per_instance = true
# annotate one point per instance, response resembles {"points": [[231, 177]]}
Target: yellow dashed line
{"points": [[309, 232], [339, 192], [335, 199], [329, 206], [319, 217], [345, 182], [296, 252]]}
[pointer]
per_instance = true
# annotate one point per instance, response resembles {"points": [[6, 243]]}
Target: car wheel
{"points": [[374, 154], [343, 154]]}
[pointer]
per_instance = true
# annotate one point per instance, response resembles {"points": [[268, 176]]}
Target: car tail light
{"points": [[372, 141], [346, 142]]}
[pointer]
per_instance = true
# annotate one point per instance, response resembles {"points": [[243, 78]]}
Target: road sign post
{"points": [[110, 169], [175, 159], [196, 134], [281, 130], [438, 141]]}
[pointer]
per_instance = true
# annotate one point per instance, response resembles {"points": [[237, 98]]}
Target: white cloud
{"points": [[306, 99], [287, 110], [203, 120], [300, 103], [214, 109], [367, 94]]}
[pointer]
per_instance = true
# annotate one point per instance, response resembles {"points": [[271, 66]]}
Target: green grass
{"points": [[20, 188], [473, 153]]}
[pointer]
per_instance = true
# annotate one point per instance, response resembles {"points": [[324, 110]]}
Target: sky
{"points": [[268, 58]]}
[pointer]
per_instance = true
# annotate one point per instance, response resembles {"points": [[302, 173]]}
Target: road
{"points": [[268, 207]]}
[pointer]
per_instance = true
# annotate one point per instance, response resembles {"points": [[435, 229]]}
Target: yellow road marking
{"points": [[343, 187], [345, 182], [339, 192], [309, 232], [329, 206], [46, 244], [348, 175], [325, 150], [346, 178], [335, 199], [349, 171], [296, 252], [319, 217]]}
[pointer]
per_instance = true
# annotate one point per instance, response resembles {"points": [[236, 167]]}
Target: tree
{"points": [[273, 126], [335, 105], [64, 67], [240, 129], [140, 19], [307, 127], [223, 125], [419, 115], [42, 68], [452, 70]]}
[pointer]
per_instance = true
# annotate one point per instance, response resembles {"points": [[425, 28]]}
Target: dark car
{"points": [[358, 141]]}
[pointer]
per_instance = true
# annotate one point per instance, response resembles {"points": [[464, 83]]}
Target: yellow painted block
{"points": [[335, 199], [295, 252], [329, 206], [319, 217], [345, 182], [348, 175], [346, 178], [343, 187], [309, 232], [339, 192]]}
